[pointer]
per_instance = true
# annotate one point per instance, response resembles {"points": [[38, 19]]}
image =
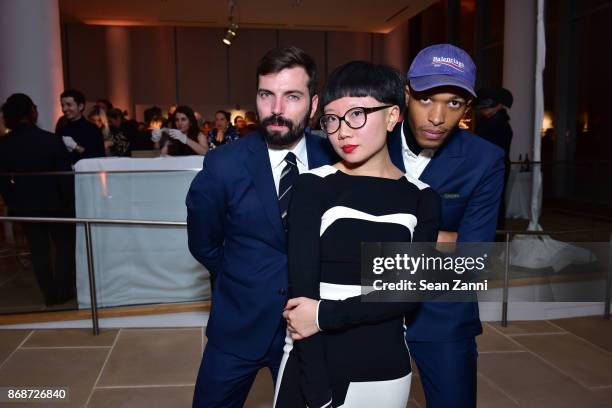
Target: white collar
{"points": [[277, 156]]}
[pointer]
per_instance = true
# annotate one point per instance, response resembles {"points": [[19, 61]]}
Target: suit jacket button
{"points": [[282, 292]]}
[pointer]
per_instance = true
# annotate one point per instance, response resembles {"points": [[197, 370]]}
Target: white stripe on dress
{"points": [[336, 213]]}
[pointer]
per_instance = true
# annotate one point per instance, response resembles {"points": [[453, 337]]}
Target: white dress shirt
{"points": [[415, 164], [277, 160]]}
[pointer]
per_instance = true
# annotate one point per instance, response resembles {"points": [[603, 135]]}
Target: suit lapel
{"points": [[258, 164], [319, 151]]}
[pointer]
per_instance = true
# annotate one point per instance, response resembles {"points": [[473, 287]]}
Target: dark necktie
{"points": [[287, 178]]}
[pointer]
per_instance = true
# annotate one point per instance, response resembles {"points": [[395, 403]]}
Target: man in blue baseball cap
{"points": [[468, 172]]}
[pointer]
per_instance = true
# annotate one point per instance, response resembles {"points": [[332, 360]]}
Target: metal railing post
{"points": [[92, 280], [608, 297], [504, 320]]}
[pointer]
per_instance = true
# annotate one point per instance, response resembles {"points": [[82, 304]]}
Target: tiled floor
{"points": [[561, 363]]}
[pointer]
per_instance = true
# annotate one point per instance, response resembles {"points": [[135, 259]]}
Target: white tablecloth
{"points": [[518, 194], [137, 265]]}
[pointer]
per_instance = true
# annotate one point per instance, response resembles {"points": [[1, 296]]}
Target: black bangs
{"points": [[362, 79]]}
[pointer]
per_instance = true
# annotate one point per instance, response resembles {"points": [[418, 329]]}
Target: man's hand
{"points": [[301, 316]]}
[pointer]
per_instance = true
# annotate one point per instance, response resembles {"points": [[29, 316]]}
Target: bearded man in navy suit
{"points": [[236, 208], [468, 173]]}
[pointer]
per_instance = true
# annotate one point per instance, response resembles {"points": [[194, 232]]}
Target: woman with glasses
{"points": [[362, 198]]}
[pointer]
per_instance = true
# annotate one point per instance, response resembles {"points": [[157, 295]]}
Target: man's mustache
{"points": [[277, 120]]}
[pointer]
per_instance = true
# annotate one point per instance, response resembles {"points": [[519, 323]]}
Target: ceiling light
{"points": [[230, 34], [233, 27]]}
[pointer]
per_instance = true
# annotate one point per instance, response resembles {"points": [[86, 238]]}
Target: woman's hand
{"points": [[301, 316], [178, 135], [447, 241], [447, 236]]}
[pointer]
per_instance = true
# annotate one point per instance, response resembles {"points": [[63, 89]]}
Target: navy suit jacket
{"points": [[235, 230], [468, 173]]}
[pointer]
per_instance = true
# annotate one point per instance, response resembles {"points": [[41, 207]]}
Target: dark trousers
{"points": [[448, 372], [54, 270], [224, 379]]}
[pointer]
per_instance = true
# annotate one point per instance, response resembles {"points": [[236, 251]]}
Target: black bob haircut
{"points": [[361, 79]]}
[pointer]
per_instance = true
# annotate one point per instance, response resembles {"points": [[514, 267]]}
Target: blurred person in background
{"points": [[206, 127], [184, 139], [150, 113], [98, 117], [239, 122], [493, 124], [29, 149], [223, 131], [120, 132], [104, 104], [141, 139], [199, 119], [240, 125], [82, 138], [170, 113], [171, 109], [252, 122]]}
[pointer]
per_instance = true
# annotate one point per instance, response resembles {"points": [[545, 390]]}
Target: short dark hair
{"points": [[156, 118], [78, 96], [151, 112], [362, 78], [278, 59], [227, 115], [18, 108]]}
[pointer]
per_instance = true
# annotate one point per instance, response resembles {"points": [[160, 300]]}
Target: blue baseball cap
{"points": [[442, 65]]}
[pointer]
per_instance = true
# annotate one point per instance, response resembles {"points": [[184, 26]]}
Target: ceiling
{"points": [[380, 16]]}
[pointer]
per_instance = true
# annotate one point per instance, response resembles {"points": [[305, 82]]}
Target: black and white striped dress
{"points": [[330, 215]]}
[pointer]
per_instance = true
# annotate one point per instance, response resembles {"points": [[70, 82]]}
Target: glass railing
{"points": [[127, 239], [126, 227]]}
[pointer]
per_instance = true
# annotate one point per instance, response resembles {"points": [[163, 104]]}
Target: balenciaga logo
{"points": [[450, 62]]}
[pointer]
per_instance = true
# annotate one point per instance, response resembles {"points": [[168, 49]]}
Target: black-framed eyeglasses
{"points": [[355, 118]]}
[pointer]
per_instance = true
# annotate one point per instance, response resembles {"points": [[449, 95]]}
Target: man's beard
{"points": [[278, 139]]}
